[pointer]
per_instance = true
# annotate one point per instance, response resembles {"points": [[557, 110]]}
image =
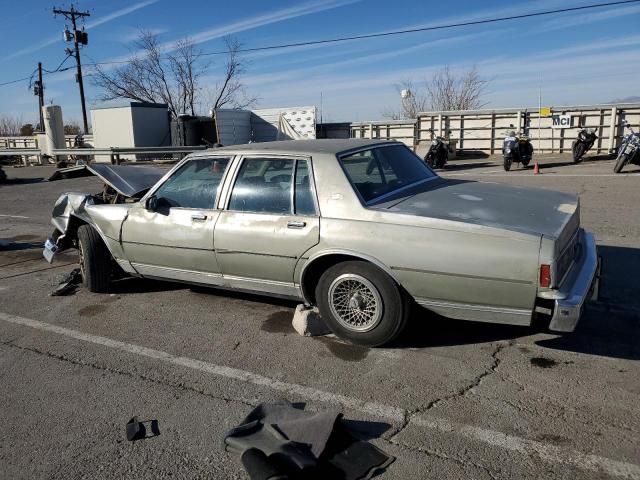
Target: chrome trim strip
{"points": [[478, 277], [220, 251], [178, 274], [474, 307], [235, 278]]}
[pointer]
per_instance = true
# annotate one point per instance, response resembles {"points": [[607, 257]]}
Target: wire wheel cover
{"points": [[355, 302]]}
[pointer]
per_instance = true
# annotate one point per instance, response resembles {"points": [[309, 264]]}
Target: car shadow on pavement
{"points": [[452, 166], [131, 285], [610, 327]]}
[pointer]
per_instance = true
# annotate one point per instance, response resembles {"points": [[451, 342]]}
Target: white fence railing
{"points": [[484, 130]]}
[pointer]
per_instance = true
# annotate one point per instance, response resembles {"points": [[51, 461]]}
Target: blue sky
{"points": [[576, 58]]}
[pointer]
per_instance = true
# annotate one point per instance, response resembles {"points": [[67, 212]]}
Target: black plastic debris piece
{"points": [[68, 284], [260, 467], [138, 430], [299, 444]]}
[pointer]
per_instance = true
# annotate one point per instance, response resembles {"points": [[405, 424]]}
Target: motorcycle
{"points": [[629, 151], [516, 148], [438, 153], [586, 139], [3, 176]]}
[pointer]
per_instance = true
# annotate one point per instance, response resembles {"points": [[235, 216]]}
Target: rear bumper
{"points": [[580, 286]]}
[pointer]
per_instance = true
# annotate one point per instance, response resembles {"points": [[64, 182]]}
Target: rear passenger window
{"points": [[304, 204], [263, 185]]}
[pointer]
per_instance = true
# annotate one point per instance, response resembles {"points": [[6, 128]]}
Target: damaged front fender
{"points": [[72, 210]]}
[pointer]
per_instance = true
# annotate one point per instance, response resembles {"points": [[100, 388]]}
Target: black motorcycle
{"points": [[3, 176], [629, 151], [586, 139], [516, 148], [438, 153]]}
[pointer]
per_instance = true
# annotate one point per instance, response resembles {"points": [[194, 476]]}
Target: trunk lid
{"points": [[520, 209]]}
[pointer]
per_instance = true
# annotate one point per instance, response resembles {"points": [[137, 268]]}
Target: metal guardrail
{"points": [[17, 152], [125, 150]]}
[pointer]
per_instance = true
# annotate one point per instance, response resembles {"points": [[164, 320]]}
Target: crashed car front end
{"points": [[105, 211]]}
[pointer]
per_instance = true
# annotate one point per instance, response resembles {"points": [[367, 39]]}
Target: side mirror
{"points": [[151, 203]]}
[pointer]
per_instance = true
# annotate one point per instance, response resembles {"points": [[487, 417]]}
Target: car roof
{"points": [[327, 145]]}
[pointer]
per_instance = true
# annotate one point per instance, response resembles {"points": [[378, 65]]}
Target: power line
{"points": [[384, 34], [427, 29]]}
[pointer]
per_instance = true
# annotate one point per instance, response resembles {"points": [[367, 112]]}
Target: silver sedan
{"points": [[362, 229]]}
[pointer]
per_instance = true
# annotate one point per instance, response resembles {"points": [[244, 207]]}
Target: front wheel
{"points": [[623, 158], [507, 163], [95, 260], [361, 303]]}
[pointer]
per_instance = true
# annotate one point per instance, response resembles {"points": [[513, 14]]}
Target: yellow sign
{"points": [[545, 111]]}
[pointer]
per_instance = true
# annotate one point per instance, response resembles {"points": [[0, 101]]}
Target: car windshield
{"points": [[380, 171]]}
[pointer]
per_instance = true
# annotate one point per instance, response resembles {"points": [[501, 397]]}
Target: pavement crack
{"points": [[136, 376], [443, 456], [474, 383]]}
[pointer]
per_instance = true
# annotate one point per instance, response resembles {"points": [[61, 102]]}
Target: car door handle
{"points": [[296, 224], [198, 217]]}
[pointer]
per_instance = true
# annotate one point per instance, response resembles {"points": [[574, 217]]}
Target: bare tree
{"points": [[172, 78], [443, 91], [413, 100], [10, 126], [447, 91], [229, 92]]}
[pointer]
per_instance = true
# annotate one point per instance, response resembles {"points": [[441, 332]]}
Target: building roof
{"points": [[326, 145]]}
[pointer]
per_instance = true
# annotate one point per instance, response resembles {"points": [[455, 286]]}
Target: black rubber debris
{"points": [[68, 284], [283, 441], [138, 430]]}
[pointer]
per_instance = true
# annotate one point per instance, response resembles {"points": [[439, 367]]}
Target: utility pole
{"points": [[79, 37], [39, 91]]}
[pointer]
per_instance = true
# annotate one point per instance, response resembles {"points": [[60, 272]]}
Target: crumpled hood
{"points": [[526, 210], [128, 180]]}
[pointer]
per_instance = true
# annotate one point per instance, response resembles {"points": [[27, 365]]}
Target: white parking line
{"points": [[13, 216], [550, 453]]}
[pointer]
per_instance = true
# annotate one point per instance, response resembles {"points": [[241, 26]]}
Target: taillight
{"points": [[545, 275]]}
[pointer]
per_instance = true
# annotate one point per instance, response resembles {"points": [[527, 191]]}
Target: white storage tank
{"points": [[53, 128]]}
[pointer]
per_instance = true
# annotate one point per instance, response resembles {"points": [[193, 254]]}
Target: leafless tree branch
{"points": [[173, 78]]}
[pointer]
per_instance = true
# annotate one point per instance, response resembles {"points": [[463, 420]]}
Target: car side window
{"points": [[303, 195], [194, 185], [263, 185]]}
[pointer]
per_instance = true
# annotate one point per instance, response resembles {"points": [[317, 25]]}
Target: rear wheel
{"points": [[621, 161], [95, 260], [578, 152], [361, 303]]}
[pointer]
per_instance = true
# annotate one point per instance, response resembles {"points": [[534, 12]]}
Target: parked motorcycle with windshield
{"points": [[584, 142], [516, 148], [629, 151], [438, 153]]}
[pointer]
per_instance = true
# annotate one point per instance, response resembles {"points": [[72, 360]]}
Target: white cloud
{"points": [[92, 24], [261, 20]]}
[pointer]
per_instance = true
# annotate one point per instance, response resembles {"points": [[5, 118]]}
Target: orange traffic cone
{"points": [[536, 168]]}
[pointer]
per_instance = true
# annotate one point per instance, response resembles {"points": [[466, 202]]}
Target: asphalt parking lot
{"points": [[451, 400]]}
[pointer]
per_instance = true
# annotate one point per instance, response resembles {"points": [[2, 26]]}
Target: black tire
{"points": [[525, 163], [507, 163], [392, 306], [578, 152], [95, 260], [621, 162], [429, 160]]}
